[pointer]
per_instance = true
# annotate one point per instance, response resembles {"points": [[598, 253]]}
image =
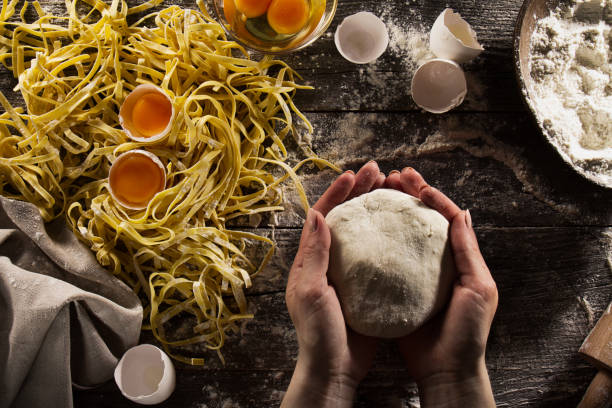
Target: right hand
{"points": [[446, 356]]}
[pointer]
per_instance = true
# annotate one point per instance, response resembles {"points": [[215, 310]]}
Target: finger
{"points": [[435, 199], [468, 259], [380, 181], [365, 179], [336, 194], [412, 182], [393, 181], [313, 252], [299, 256]]}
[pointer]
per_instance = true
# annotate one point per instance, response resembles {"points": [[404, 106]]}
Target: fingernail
{"points": [[394, 172], [312, 220], [468, 219], [350, 172], [407, 169], [371, 161], [382, 174]]}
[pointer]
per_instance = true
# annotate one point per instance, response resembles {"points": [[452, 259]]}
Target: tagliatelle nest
{"points": [[74, 72]]}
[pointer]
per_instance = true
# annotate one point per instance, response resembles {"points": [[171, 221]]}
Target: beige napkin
{"points": [[64, 320]]}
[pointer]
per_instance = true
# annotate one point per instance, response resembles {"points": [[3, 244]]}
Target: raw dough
{"points": [[390, 262]]}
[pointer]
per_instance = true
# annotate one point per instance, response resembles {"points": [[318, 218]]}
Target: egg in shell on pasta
{"points": [[135, 178], [147, 113]]}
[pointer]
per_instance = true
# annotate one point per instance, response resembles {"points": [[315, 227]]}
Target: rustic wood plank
{"points": [[525, 260], [553, 284], [385, 84], [545, 231], [251, 388], [498, 165]]}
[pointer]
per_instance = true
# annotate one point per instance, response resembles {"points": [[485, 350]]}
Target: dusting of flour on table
{"points": [[409, 47], [570, 64]]}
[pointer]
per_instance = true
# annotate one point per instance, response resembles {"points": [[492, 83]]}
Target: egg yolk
{"points": [[151, 114], [288, 16], [253, 8], [135, 179]]}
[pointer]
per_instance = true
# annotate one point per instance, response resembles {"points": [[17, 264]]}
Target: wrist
{"points": [[312, 386], [457, 389]]}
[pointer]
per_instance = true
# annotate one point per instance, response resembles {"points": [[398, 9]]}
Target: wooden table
{"points": [[545, 231]]}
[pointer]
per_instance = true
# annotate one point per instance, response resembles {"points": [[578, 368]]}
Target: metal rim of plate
{"points": [[527, 9]]}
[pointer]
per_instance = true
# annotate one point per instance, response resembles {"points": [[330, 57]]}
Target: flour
{"points": [[408, 45], [570, 64]]}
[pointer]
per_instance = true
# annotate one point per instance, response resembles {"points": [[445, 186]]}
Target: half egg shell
{"points": [[361, 38], [135, 177], [451, 37], [147, 114], [145, 375], [439, 85]]}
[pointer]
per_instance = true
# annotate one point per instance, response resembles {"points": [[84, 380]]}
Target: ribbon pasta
{"points": [[225, 156]]}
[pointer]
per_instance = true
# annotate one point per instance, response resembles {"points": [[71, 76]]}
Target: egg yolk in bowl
{"points": [[252, 8], [288, 16]]}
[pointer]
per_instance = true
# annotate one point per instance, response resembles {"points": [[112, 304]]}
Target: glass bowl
{"points": [[241, 29]]}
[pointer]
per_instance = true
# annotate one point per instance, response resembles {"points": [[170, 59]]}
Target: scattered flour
{"points": [[588, 310], [571, 66], [411, 44], [408, 44], [362, 141]]}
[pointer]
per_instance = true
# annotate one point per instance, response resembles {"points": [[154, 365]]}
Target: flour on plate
{"points": [[570, 64]]}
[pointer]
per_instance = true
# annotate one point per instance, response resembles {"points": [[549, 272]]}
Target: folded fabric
{"points": [[64, 320]]}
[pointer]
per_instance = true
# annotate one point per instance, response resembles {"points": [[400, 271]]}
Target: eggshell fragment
{"points": [[145, 375], [128, 107], [451, 37], [361, 38], [112, 175], [439, 85]]}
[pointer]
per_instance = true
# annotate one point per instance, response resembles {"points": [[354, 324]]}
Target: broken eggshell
{"points": [[145, 375], [439, 85], [126, 113], [451, 37], [113, 175], [361, 38]]}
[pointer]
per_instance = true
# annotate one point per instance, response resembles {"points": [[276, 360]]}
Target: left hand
{"points": [[332, 359]]}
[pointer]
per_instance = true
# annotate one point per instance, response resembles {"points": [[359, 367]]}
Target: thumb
{"points": [[315, 248], [468, 259]]}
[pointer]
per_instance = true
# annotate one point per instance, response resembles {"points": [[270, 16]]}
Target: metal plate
{"points": [[530, 13]]}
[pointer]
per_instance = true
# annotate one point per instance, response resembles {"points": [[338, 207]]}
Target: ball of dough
{"points": [[390, 262]]}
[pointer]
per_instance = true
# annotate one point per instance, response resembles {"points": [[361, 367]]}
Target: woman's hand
{"points": [[332, 359], [446, 356]]}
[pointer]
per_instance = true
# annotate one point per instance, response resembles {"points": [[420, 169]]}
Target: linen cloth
{"points": [[64, 320]]}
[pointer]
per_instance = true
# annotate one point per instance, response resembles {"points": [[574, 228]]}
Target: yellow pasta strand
{"points": [[225, 155]]}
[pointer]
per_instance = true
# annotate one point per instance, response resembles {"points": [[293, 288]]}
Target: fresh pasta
{"points": [[225, 156]]}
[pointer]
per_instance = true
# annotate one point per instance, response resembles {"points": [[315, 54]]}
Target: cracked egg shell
{"points": [[452, 38], [135, 177], [439, 85], [147, 113], [361, 38], [145, 375]]}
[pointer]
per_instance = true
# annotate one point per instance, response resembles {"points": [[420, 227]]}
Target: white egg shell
{"points": [[115, 165], [125, 113], [451, 37], [361, 38], [145, 375], [439, 85]]}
